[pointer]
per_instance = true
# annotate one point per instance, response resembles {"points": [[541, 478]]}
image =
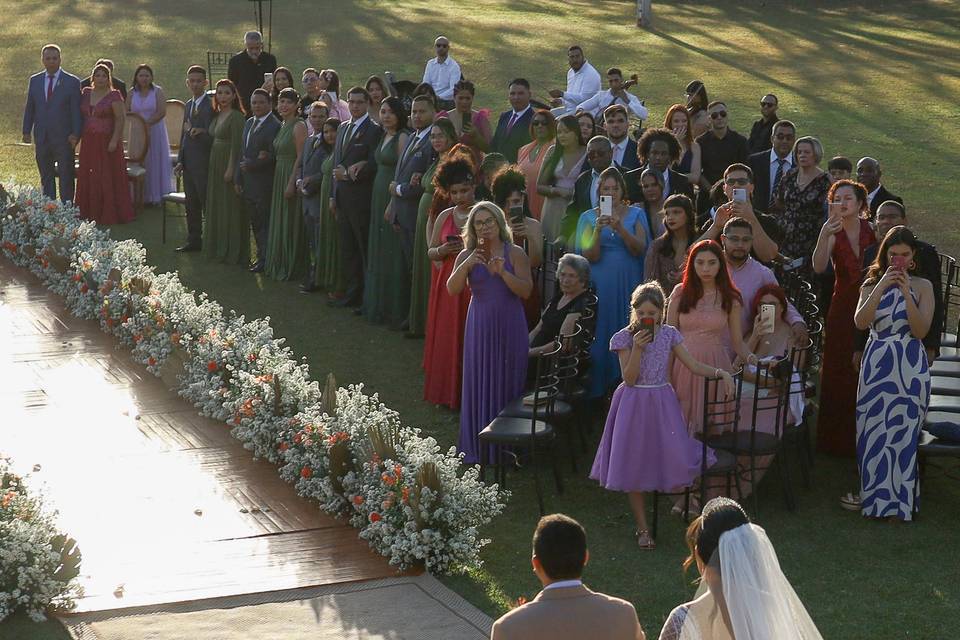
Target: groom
{"points": [[51, 118]]}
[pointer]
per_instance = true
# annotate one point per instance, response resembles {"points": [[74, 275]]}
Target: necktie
{"points": [[410, 145], [349, 136], [253, 130], [193, 108], [50, 86], [513, 121], [776, 178]]}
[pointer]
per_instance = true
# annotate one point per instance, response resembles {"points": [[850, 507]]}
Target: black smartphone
{"points": [[516, 214], [647, 325], [453, 238]]}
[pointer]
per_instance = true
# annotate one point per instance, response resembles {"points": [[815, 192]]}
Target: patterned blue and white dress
{"points": [[892, 400]]}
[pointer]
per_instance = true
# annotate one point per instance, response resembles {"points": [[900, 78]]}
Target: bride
{"points": [[743, 593]]}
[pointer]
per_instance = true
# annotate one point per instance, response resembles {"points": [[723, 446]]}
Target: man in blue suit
{"points": [[51, 119], [194, 155], [513, 128]]}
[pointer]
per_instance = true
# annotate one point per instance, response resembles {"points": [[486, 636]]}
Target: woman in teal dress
{"points": [[386, 290], [328, 264], [443, 136], [226, 233], [287, 245]]}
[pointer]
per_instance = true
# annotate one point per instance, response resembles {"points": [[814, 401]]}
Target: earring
{"points": [[913, 265]]}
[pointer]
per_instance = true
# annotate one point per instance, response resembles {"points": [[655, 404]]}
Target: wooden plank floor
{"points": [[165, 505]]}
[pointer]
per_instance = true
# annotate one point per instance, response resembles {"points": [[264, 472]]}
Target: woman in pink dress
{"points": [[147, 100], [705, 307], [103, 193], [559, 174], [472, 125], [543, 132]]}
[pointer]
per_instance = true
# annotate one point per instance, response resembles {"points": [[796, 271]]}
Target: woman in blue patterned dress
{"points": [[894, 388]]}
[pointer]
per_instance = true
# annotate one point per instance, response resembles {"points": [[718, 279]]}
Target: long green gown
{"points": [[420, 282], [287, 246], [328, 266], [386, 289], [226, 228]]}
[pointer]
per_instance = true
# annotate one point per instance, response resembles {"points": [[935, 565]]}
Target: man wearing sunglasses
{"points": [[763, 128], [771, 165], [442, 73], [721, 146]]}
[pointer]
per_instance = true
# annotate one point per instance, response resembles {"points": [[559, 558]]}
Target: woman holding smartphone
{"points": [[613, 237], [447, 314], [894, 390], [508, 192]]}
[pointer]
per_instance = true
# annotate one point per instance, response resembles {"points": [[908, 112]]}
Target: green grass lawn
{"points": [[863, 82]]}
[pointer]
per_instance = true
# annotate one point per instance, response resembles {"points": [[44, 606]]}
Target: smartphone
{"points": [[516, 214], [454, 239], [739, 195], [483, 249], [647, 325], [833, 209], [767, 318], [268, 77], [899, 262], [467, 121], [606, 206]]}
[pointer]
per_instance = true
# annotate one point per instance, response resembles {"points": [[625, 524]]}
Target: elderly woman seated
{"points": [[561, 315]]}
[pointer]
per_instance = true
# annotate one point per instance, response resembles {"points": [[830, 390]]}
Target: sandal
{"points": [[850, 502], [644, 541], [692, 511]]}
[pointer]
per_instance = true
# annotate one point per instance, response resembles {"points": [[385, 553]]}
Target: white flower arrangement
{"points": [[38, 564], [412, 502]]}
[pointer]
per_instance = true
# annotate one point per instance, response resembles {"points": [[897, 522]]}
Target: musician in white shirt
{"points": [[616, 94], [583, 82]]}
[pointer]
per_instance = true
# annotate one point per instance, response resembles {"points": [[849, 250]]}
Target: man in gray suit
{"points": [[414, 160], [194, 155], [254, 175], [51, 118], [309, 181]]}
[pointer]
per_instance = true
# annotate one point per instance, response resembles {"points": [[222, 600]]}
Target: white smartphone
{"points": [[268, 77], [767, 312], [739, 195], [606, 205]]}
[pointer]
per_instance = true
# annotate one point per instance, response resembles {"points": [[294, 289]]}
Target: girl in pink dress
{"points": [[103, 193], [147, 100], [645, 445], [705, 307]]}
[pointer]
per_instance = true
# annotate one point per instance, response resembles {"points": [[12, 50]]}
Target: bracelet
{"points": [[716, 373]]}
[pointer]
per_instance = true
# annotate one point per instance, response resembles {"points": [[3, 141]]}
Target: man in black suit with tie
{"points": [[869, 174], [658, 148], [769, 166], [254, 174], [354, 168], [194, 154], [513, 128], [415, 159], [616, 124], [117, 83]]}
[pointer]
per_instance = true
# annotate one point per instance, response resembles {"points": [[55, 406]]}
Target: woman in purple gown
{"points": [[147, 100], [495, 341]]}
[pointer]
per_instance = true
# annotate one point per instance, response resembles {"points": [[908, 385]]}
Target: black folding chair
{"points": [[218, 63]]}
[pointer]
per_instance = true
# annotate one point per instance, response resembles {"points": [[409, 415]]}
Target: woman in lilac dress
{"points": [[495, 340], [147, 100], [645, 445]]}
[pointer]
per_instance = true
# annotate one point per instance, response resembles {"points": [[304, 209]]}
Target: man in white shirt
{"points": [[442, 73], [616, 94], [583, 82]]}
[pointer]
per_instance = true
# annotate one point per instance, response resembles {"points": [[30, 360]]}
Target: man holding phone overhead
{"points": [[246, 68], [739, 189]]}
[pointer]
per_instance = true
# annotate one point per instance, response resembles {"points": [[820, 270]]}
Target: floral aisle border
{"points": [[38, 564], [345, 449]]}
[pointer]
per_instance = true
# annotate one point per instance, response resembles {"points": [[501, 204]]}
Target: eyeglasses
{"points": [[483, 224], [768, 104], [736, 182], [718, 114]]}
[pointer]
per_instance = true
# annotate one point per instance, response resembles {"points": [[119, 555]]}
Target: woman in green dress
{"points": [[287, 244], [328, 264], [226, 232], [386, 290], [443, 136]]}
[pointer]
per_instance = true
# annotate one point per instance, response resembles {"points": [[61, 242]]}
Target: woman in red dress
{"points": [[843, 237], [447, 315], [103, 194]]}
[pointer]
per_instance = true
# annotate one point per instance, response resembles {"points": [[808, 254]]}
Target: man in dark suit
{"points": [[254, 173], [869, 174], [194, 155], [354, 168], [658, 149], [246, 68], [513, 128], [762, 129], [406, 188], [52, 120], [117, 83], [892, 214], [585, 196], [770, 165], [617, 125], [309, 181]]}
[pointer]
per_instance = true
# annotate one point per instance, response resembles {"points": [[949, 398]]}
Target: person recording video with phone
{"points": [[738, 187], [508, 188]]}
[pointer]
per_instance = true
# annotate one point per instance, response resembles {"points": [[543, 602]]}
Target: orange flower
{"points": [[175, 338], [284, 446], [375, 517], [137, 337], [50, 207], [306, 472], [358, 500], [405, 495], [211, 366], [151, 361]]}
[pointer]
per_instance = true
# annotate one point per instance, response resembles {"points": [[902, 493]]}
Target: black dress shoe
{"points": [[307, 288], [257, 268], [190, 246]]}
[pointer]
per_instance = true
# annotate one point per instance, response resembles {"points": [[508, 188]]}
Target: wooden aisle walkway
{"points": [[165, 505]]}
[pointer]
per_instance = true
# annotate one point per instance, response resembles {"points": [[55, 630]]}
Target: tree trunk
{"points": [[645, 13]]}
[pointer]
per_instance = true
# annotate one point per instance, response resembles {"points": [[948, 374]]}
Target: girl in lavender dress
{"points": [[645, 444], [147, 100]]}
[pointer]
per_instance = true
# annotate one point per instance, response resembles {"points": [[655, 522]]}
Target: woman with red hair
{"points": [[678, 121], [705, 307]]}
